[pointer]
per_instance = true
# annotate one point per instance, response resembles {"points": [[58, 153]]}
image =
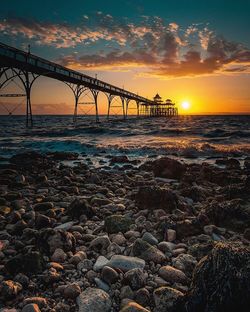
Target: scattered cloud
{"points": [[158, 48]]}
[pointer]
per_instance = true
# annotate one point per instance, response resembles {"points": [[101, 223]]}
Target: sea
{"points": [[190, 138]]}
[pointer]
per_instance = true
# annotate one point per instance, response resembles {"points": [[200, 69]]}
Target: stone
{"points": [[109, 275], [126, 263], [187, 228], [94, 300], [133, 307], [59, 256], [40, 301], [85, 265], [117, 223], [171, 235], [165, 298], [43, 206], [65, 226], [78, 257], [22, 279], [31, 307], [148, 237], [172, 275], [100, 243], [147, 252], [101, 284], [166, 246], [126, 292], [135, 278], [71, 291], [43, 221], [79, 207], [142, 297], [168, 168], [101, 261], [9, 289], [227, 275], [185, 263], [155, 197], [31, 262]]}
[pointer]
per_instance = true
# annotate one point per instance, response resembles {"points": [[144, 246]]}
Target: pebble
{"points": [[172, 275], [59, 256], [94, 300], [147, 252], [148, 237], [101, 284], [101, 261], [171, 235], [109, 275], [31, 307], [165, 297], [135, 278], [71, 291], [126, 263]]}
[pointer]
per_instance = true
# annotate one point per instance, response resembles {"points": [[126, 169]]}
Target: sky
{"points": [[194, 51]]}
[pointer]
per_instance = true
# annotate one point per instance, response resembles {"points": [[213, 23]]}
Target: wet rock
{"points": [[100, 243], [154, 197], [187, 228], [9, 289], [168, 168], [31, 262], [165, 298], [119, 159], [117, 223], [133, 307], [185, 263], [78, 257], [227, 275], [43, 206], [71, 291], [147, 252], [42, 221], [101, 284], [126, 292], [49, 240], [135, 278], [126, 263], [59, 256], [148, 237], [80, 207], [101, 261], [31, 307], [142, 296], [172, 275], [65, 226], [93, 300], [109, 275]]}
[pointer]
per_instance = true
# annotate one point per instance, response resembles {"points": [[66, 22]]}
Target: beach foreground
{"points": [[157, 236]]}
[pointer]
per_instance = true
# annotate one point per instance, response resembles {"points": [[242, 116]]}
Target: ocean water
{"points": [[189, 137]]}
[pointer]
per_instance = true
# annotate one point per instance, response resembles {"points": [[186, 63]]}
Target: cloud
{"points": [[160, 49]]}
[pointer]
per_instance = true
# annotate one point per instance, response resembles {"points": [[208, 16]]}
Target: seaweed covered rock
{"points": [[168, 168], [49, 240], [221, 280], [230, 214], [149, 197]]}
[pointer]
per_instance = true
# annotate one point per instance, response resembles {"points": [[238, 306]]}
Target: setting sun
{"points": [[185, 105]]}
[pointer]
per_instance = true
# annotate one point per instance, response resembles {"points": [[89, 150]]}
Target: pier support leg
{"points": [[123, 107], [110, 98], [95, 95], [127, 103], [138, 108]]}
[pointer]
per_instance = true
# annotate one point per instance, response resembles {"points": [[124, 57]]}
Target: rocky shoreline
{"points": [[160, 236]]}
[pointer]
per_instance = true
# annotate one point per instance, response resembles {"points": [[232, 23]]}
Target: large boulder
{"points": [[221, 280], [155, 197], [168, 168]]}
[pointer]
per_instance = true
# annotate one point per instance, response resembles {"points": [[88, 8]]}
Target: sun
{"points": [[185, 105]]}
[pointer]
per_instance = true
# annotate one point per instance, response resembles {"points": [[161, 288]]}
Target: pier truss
{"points": [[17, 64]]}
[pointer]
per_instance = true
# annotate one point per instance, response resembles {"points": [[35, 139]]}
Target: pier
{"points": [[27, 67]]}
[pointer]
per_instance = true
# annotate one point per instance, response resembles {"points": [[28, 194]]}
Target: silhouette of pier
{"points": [[18, 64]]}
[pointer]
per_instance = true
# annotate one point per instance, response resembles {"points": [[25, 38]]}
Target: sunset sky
{"points": [[186, 50]]}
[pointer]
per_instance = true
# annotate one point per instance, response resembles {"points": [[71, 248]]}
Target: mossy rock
{"points": [[117, 223]]}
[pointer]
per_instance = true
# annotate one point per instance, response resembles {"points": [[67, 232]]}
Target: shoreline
{"points": [[122, 238]]}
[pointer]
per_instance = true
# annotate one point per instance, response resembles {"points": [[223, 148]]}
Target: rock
{"points": [[22, 279], [187, 228], [40, 301], [43, 206], [227, 275], [148, 237], [126, 263], [101, 261], [59, 256], [101, 284], [119, 159], [93, 300], [185, 263], [126, 292], [71, 291], [100, 243], [166, 246], [32, 262], [78, 257], [31, 307], [80, 207], [109, 275], [142, 297], [135, 278], [85, 265], [165, 298], [171, 235], [9, 289], [65, 226], [147, 252], [201, 250], [168, 168], [42, 221], [49, 240], [154, 197], [133, 307], [172, 275], [117, 223]]}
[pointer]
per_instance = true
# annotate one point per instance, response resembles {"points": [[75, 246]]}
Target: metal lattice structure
{"points": [[15, 63]]}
